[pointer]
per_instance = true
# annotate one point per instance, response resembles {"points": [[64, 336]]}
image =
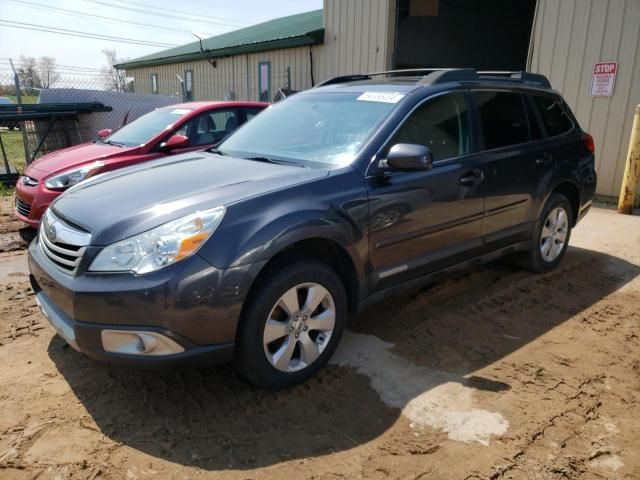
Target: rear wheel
{"points": [[552, 235], [291, 324]]}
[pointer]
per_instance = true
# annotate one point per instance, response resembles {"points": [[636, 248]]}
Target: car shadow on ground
{"points": [[212, 420]]}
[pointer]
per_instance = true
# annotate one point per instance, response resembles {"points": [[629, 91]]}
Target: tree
{"points": [[47, 71], [28, 72], [114, 79]]}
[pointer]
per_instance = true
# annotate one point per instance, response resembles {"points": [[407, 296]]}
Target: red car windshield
{"points": [[146, 127]]}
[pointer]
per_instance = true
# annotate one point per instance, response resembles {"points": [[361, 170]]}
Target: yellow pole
{"points": [[632, 169]]}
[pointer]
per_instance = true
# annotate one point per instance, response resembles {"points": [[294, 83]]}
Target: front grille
{"points": [[61, 243], [23, 208]]}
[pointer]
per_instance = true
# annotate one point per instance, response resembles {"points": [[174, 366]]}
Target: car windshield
{"points": [[143, 129], [312, 129]]}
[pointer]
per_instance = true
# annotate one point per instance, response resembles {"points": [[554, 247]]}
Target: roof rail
{"points": [[524, 77], [367, 76], [433, 76], [450, 75], [344, 79], [413, 70]]}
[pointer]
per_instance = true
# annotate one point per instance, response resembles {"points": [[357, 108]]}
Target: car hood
{"points": [[67, 158], [119, 204]]}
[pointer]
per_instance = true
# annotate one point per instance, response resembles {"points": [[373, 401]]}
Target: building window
{"points": [[264, 81], [188, 85], [154, 83]]}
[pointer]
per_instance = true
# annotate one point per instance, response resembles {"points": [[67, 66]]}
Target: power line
{"points": [[63, 74], [62, 71], [181, 12], [75, 33], [69, 67], [101, 17], [158, 14], [81, 69]]}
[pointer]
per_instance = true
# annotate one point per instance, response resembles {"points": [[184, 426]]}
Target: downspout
{"points": [[311, 65], [394, 52], [248, 90], [532, 36]]}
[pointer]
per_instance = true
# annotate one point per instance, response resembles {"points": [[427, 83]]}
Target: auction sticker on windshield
{"points": [[180, 111], [385, 97]]}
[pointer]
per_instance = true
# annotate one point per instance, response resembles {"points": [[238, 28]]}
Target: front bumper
{"points": [[193, 304], [37, 198]]}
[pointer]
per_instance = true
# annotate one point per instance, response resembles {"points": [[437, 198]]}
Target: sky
{"points": [[161, 21]]}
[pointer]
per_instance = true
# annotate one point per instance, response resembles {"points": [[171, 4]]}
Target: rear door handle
{"points": [[546, 159], [472, 178]]}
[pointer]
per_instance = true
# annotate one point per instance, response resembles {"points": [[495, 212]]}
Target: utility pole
{"points": [[25, 139], [632, 169]]}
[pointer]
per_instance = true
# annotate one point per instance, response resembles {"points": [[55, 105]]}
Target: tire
{"points": [[262, 347], [27, 234], [550, 240]]}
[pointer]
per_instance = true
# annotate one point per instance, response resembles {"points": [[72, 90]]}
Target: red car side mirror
{"points": [[174, 142], [104, 133]]}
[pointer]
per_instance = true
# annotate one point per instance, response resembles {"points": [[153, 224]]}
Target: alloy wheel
{"points": [[299, 327], [554, 234]]}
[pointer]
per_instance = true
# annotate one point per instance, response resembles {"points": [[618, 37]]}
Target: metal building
{"points": [[563, 39]]}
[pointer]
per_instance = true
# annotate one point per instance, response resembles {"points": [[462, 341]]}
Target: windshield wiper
{"points": [[273, 160], [111, 142], [218, 152]]}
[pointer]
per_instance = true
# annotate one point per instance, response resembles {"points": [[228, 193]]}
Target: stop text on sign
{"points": [[604, 79]]}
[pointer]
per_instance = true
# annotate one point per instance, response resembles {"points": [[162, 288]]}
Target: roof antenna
{"points": [[200, 37]]}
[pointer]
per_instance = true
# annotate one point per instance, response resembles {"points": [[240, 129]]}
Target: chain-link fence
{"points": [[20, 139], [27, 140]]}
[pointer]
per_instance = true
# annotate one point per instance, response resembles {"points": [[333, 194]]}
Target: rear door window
{"points": [[554, 117], [251, 112], [503, 118]]}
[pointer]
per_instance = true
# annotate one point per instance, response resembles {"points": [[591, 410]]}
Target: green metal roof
{"points": [[286, 32]]}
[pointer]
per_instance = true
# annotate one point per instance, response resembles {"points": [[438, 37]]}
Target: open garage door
{"points": [[484, 34]]}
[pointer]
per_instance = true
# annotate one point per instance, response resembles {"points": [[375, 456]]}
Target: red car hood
{"points": [[77, 155]]}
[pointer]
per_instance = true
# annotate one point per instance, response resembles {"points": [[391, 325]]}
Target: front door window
{"points": [[441, 124]]}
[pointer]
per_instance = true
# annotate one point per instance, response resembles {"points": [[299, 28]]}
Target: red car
{"points": [[165, 131]]}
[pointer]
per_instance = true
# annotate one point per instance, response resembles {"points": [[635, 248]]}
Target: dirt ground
{"points": [[498, 373]]}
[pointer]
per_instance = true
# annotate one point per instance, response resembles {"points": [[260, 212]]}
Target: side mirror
{"points": [[104, 133], [174, 142], [407, 156]]}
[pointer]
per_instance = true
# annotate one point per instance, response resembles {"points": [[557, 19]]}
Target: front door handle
{"points": [[472, 178]]}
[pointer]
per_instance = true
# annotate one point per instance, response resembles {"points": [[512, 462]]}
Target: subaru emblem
{"points": [[52, 233]]}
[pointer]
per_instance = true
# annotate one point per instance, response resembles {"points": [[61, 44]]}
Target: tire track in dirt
{"points": [[557, 355], [18, 308], [10, 240]]}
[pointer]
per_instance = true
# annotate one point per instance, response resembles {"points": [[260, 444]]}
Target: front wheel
{"points": [[551, 237], [291, 325]]}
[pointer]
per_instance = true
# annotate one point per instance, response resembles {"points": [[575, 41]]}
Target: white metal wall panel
{"points": [[569, 37], [359, 37], [230, 74]]}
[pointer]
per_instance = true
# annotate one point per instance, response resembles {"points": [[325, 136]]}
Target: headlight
{"points": [[161, 246], [72, 177]]}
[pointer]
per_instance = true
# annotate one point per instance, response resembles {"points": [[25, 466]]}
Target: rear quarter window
{"points": [[553, 114]]}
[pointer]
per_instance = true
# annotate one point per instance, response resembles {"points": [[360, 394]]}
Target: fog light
{"points": [[134, 342], [146, 343]]}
